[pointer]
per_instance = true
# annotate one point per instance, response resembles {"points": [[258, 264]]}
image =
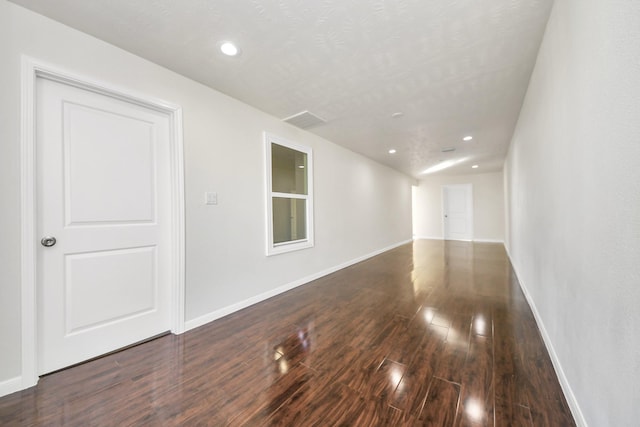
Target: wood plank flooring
{"points": [[431, 333]]}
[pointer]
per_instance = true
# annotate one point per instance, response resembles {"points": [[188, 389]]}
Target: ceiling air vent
{"points": [[447, 150], [304, 120]]}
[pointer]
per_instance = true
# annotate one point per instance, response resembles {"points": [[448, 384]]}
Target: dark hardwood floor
{"points": [[431, 333]]}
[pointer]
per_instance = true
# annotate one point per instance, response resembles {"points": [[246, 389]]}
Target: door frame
{"points": [[33, 69], [469, 188]]}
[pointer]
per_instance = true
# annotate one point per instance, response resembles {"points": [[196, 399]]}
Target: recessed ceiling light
{"points": [[474, 167], [229, 49], [301, 167], [443, 165], [392, 151], [397, 114], [467, 138]]}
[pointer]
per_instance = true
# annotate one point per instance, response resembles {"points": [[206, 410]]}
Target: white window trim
{"points": [[308, 242]]}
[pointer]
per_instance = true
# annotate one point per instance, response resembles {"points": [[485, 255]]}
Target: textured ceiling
{"points": [[452, 67]]}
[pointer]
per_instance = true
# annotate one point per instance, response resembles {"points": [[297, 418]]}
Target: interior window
{"points": [[289, 210]]}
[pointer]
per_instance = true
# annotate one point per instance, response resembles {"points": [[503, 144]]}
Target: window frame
{"points": [[295, 245]]}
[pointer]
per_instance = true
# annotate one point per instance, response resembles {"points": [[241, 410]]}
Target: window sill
{"points": [[281, 248]]}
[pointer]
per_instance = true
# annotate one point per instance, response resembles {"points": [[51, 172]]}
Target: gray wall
{"points": [[572, 180]]}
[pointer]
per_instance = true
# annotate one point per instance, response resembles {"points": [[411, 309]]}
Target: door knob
{"points": [[48, 241]]}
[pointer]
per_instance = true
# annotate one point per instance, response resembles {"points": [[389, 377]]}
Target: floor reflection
{"points": [[293, 347]]}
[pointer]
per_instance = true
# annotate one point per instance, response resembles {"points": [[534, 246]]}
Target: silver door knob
{"points": [[48, 241]]}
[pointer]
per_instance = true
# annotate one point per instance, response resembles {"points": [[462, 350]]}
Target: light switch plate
{"points": [[211, 198]]}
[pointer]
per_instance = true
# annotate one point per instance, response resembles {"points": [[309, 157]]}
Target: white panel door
{"points": [[457, 207], [103, 182]]}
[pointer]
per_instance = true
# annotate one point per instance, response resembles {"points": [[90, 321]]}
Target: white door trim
{"points": [[31, 70], [469, 188]]}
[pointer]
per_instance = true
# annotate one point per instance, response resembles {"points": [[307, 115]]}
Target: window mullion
{"points": [[289, 195]]}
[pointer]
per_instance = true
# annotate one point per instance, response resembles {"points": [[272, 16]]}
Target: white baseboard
{"points": [[474, 240], [564, 383], [10, 386], [210, 317], [488, 241]]}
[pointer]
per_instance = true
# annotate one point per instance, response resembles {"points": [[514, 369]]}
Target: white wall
{"points": [[488, 205], [360, 206], [10, 208], [573, 196]]}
